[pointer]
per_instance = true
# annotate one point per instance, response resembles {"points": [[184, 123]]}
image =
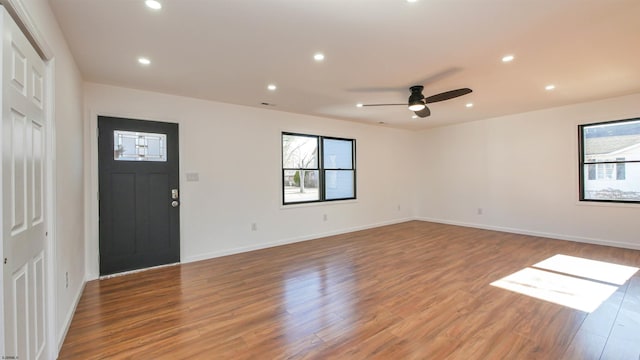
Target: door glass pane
{"points": [[139, 146], [338, 154], [339, 184]]}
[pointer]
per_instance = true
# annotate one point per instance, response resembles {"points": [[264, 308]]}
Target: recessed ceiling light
{"points": [[144, 61], [508, 58], [359, 105], [153, 4], [549, 87], [412, 1], [469, 105], [272, 87], [414, 116], [318, 56]]}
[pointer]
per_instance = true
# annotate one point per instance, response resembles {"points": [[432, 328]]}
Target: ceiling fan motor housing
{"points": [[416, 94]]}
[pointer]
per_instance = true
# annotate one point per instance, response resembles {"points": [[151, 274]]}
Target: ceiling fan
{"points": [[418, 103]]}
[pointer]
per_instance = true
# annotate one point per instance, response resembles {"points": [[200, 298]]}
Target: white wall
{"points": [[236, 152], [68, 228], [522, 170]]}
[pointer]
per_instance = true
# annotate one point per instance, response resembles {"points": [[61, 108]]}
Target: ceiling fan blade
{"points": [[400, 90], [405, 104], [438, 76], [424, 112], [447, 95]]}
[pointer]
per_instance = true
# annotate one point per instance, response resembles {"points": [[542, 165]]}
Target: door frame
{"points": [[92, 226], [18, 12]]}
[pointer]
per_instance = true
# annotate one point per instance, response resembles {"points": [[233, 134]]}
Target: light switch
{"points": [[193, 177]]}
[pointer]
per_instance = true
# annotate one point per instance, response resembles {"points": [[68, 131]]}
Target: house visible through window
{"points": [[610, 161], [317, 168]]}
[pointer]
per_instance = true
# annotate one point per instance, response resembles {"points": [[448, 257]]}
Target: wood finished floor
{"points": [[414, 290]]}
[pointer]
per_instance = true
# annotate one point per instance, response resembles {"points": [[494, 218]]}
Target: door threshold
{"points": [[103, 277]]}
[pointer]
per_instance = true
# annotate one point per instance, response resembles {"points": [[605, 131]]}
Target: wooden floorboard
{"points": [[415, 290]]}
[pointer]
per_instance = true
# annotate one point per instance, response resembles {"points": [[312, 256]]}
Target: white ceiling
{"points": [[230, 50]]}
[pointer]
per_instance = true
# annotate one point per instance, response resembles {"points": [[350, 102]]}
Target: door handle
{"points": [[175, 203]]}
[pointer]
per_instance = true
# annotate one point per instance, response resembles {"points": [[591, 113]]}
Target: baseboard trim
{"points": [[239, 250], [555, 236], [69, 317]]}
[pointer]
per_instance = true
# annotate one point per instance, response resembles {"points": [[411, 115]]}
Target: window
{"points": [[317, 168], [610, 161]]}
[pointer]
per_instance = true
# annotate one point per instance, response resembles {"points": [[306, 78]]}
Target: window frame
{"points": [[320, 168], [584, 175]]}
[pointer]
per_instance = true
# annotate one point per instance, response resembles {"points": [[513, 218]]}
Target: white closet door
{"points": [[23, 194]]}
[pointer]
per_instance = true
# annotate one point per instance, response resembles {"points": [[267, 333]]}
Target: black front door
{"points": [[139, 194]]}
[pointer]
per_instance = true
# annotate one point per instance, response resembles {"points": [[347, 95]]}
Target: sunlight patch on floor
{"points": [[563, 290], [590, 269], [574, 282]]}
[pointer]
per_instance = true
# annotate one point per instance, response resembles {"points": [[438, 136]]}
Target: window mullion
{"points": [[323, 195]]}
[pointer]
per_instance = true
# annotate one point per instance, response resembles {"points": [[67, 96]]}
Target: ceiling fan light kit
{"points": [[417, 106]]}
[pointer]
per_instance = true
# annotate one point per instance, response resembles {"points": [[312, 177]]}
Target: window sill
{"points": [[319, 203], [608, 204]]}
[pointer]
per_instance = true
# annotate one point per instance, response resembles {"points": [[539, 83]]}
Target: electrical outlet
{"points": [[324, 217], [479, 211], [254, 227], [398, 207]]}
